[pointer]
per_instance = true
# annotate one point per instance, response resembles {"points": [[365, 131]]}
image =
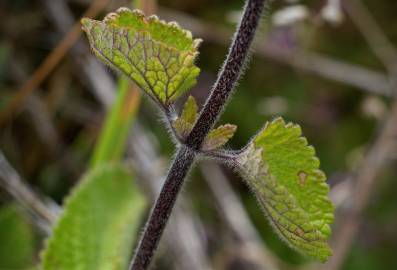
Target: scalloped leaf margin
{"points": [[283, 172], [156, 55]]}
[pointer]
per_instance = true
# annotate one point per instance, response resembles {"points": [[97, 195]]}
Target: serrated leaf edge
{"points": [[227, 132], [258, 167], [75, 191], [87, 26]]}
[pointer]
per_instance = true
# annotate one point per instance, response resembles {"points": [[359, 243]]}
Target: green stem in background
{"points": [[111, 142], [186, 153]]}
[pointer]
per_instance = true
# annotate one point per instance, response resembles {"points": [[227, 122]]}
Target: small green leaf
{"points": [[189, 113], [283, 171], [218, 137], [158, 56], [184, 124], [99, 223]]}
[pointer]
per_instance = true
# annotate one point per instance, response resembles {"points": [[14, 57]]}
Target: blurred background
{"points": [[330, 66]]}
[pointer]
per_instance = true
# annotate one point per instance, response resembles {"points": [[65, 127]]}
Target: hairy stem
{"points": [[162, 209], [229, 74], [186, 153]]}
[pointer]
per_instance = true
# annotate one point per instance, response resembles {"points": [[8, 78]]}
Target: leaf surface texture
{"points": [[158, 56], [283, 171], [99, 223]]}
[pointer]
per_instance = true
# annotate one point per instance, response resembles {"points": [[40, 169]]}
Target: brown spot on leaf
{"points": [[302, 178], [299, 232]]}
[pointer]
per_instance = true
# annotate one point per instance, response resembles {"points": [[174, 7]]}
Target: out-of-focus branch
{"points": [[381, 150], [311, 62], [89, 71], [42, 121], [236, 218], [373, 34], [50, 62], [45, 212], [339, 71], [341, 192], [37, 111]]}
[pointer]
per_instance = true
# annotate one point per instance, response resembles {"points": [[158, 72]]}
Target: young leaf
{"points": [[284, 174], [97, 227], [184, 124], [158, 56], [218, 137]]}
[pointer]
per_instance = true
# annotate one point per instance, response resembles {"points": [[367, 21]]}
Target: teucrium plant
{"points": [[278, 164]]}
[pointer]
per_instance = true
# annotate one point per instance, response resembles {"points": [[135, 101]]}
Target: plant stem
{"points": [[162, 209], [229, 74], [186, 153]]}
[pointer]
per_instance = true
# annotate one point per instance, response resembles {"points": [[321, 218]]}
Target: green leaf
{"points": [[184, 124], [218, 137], [17, 239], [99, 223], [284, 174], [111, 143], [158, 56], [189, 113]]}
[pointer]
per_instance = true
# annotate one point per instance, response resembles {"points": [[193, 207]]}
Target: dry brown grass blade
{"points": [[50, 62]]}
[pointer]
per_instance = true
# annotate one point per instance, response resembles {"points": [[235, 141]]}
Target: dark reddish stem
{"points": [[185, 156]]}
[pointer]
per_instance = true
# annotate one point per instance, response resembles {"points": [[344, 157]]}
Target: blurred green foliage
{"points": [[17, 238], [99, 223]]}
